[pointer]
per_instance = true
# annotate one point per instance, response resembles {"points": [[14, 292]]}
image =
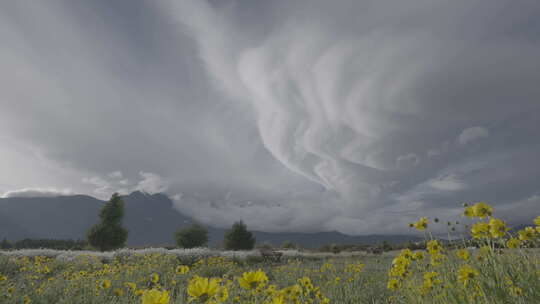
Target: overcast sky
{"points": [[304, 115]]}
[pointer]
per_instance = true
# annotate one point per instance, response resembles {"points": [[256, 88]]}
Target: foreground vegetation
{"points": [[502, 270]]}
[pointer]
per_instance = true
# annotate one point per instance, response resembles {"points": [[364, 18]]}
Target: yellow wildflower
{"points": [[434, 247], [513, 243], [466, 274], [482, 210], [527, 234], [497, 228], [278, 299], [131, 286], [418, 255], [437, 259], [182, 269], [421, 224], [222, 294], [406, 253], [515, 291], [154, 296], [27, 300], [430, 280], [469, 212], [252, 279], [393, 284], [463, 254], [203, 288], [118, 292], [480, 230], [105, 284]]}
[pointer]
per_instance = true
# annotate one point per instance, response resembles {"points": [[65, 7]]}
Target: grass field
{"points": [[490, 274]]}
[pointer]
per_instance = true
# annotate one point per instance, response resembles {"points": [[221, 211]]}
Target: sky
{"points": [[308, 115]]}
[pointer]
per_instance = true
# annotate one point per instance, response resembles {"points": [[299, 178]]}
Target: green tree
{"points": [[239, 238], [109, 234], [192, 236]]}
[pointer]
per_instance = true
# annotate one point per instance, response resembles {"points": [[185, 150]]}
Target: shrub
{"points": [[192, 236], [288, 245], [239, 238], [265, 246], [50, 244], [335, 249]]}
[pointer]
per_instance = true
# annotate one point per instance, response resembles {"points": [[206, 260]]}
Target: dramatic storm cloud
{"points": [[356, 116]]}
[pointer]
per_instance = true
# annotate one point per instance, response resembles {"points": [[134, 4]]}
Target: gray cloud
{"points": [[472, 134], [37, 192], [105, 186], [350, 115]]}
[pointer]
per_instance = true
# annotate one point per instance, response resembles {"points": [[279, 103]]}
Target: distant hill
{"points": [[150, 219]]}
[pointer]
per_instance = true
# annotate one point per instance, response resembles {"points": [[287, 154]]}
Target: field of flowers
{"points": [[502, 270]]}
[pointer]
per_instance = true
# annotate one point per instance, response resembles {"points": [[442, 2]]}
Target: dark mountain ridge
{"points": [[150, 219]]}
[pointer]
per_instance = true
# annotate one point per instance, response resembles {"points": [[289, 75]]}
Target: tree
{"points": [[288, 245], [386, 246], [239, 238], [109, 234], [5, 244], [192, 236]]}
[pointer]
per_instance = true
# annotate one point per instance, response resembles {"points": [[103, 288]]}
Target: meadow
{"points": [[503, 269]]}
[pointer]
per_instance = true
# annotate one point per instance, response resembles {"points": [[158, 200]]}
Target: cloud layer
{"points": [[37, 192], [355, 116]]}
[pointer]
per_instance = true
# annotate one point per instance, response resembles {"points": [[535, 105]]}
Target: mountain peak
{"points": [[138, 193]]}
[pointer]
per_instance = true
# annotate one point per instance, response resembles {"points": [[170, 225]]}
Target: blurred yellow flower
{"points": [[515, 291], [437, 259], [421, 224], [252, 279], [154, 296], [527, 234], [393, 284], [418, 255], [131, 286], [482, 210], [278, 299], [118, 292], [203, 288], [480, 230], [466, 274], [434, 247], [463, 254], [513, 243], [497, 228], [222, 294], [105, 284], [182, 269], [469, 212]]}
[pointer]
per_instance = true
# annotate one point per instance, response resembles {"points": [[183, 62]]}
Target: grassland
{"points": [[502, 270]]}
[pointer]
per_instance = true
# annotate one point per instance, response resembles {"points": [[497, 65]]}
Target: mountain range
{"points": [[150, 219]]}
